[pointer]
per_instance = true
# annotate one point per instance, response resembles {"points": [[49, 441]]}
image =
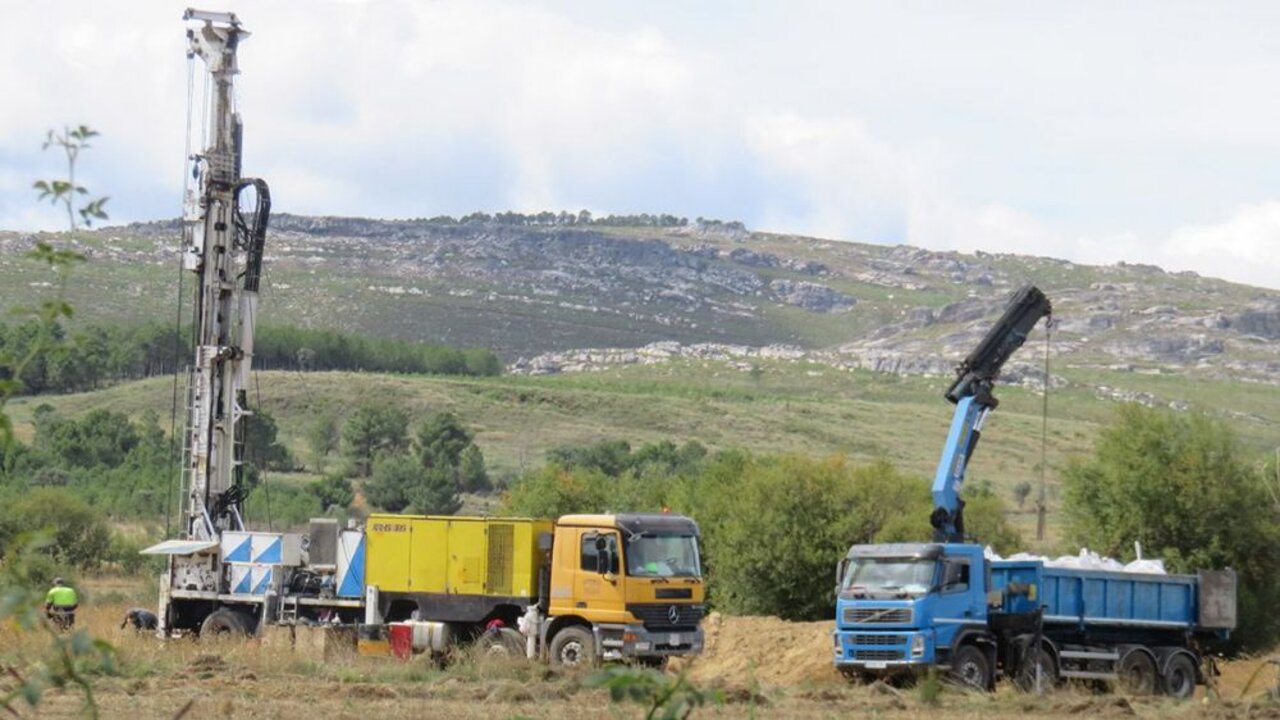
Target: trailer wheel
{"points": [[1180, 677], [225, 621], [970, 667], [1138, 673], [573, 646]]}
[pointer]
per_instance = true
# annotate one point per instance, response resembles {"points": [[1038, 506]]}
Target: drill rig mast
{"points": [[222, 247], [971, 394], [224, 250]]}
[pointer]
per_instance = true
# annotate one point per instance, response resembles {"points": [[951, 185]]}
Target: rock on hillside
{"points": [[543, 292]]}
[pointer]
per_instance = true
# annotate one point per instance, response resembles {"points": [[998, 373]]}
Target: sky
{"points": [[1092, 131]]}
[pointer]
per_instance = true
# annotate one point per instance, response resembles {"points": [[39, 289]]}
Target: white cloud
{"points": [[1243, 247], [1082, 130], [850, 184]]}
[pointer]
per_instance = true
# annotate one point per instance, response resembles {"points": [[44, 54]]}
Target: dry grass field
{"points": [[763, 667]]}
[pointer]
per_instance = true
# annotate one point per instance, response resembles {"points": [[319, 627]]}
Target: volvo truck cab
{"points": [[901, 606]]}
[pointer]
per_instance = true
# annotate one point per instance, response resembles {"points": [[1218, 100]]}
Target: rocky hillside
{"points": [[541, 295]]}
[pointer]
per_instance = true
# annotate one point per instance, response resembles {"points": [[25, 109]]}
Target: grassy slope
{"points": [[789, 408]]}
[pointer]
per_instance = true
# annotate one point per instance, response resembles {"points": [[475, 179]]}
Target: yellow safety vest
{"points": [[62, 596]]}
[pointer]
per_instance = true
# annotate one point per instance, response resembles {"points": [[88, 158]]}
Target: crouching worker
{"points": [[140, 619], [60, 604]]}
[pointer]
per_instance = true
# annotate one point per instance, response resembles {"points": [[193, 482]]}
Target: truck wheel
{"points": [[970, 667], [1180, 677], [225, 621], [574, 646], [1026, 677], [503, 642], [1138, 673]]}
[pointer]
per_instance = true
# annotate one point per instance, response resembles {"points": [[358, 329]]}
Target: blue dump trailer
{"points": [[902, 608]]}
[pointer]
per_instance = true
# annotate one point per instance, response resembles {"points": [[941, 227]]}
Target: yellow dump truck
{"points": [[576, 590]]}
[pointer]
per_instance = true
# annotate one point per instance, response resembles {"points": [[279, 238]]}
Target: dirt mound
{"points": [[765, 650]]}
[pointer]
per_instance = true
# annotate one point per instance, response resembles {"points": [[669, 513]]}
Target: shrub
{"points": [[78, 536], [1179, 484]]}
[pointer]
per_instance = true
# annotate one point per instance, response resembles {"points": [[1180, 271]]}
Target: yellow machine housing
{"points": [[454, 555]]}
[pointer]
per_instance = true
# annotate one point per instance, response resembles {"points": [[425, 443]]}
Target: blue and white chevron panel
{"points": [[351, 564], [251, 578], [264, 548]]}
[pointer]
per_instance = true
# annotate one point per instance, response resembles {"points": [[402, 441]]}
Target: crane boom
{"points": [[971, 394]]}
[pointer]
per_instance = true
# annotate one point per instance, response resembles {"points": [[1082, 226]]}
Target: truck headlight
{"points": [[917, 645]]}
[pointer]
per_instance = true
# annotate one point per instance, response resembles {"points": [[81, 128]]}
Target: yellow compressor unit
{"points": [[448, 562]]}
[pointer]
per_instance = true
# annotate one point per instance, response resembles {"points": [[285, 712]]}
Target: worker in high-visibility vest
{"points": [[60, 604]]}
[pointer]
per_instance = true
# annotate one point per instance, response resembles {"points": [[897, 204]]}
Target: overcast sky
{"points": [[1094, 131]]}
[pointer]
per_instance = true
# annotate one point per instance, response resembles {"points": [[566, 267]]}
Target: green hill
{"points": [[781, 407]]}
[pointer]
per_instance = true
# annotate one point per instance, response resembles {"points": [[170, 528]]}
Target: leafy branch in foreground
{"points": [[69, 659], [665, 697], [66, 191]]}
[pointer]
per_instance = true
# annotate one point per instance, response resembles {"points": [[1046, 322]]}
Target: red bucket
{"points": [[401, 640]]}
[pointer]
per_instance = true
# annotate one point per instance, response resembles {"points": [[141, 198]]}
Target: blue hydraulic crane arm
{"points": [[971, 393]]}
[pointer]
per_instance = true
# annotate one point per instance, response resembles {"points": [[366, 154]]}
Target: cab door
{"points": [[600, 585], [961, 597]]}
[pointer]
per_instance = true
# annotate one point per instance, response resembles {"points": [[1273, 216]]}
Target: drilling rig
{"points": [[222, 244], [420, 583]]}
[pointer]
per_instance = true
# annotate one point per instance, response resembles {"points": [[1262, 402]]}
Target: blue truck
{"points": [[902, 608], [906, 607]]}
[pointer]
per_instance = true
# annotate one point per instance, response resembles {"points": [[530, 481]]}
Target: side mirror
{"points": [[544, 541]]}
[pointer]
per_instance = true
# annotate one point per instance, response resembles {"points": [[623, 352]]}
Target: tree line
{"points": [[91, 356], [583, 218]]}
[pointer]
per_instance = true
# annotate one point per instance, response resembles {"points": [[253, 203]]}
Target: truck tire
{"points": [[1138, 674], [574, 646], [1025, 679], [1180, 677], [225, 621], [971, 668], [503, 642]]}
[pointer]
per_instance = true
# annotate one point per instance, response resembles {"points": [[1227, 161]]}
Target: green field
{"points": [[788, 407]]}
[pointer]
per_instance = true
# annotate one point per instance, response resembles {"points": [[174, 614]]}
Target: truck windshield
{"points": [[663, 556], [897, 576]]}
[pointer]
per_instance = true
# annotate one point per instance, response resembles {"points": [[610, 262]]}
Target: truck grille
{"points": [[658, 616], [878, 655], [893, 640], [877, 615]]}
